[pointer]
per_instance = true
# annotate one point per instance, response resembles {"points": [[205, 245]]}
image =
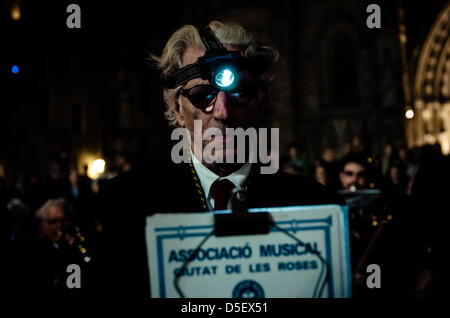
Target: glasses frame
{"points": [[185, 92], [361, 174]]}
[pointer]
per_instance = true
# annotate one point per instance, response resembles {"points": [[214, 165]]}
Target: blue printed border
{"points": [[344, 210], [182, 234]]}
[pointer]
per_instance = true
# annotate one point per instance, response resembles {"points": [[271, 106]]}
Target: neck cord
{"points": [[198, 186]]}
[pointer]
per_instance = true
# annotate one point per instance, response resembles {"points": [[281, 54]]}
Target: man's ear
{"points": [[173, 104]]}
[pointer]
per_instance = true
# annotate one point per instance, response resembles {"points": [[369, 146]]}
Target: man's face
{"points": [[353, 176], [54, 223], [293, 152], [394, 173], [73, 176], [223, 114]]}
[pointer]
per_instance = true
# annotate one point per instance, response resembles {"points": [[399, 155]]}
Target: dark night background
{"points": [[89, 91]]}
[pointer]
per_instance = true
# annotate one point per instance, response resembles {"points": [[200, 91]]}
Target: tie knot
{"points": [[221, 192]]}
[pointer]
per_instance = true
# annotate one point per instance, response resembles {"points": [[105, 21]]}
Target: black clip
{"points": [[240, 222]]}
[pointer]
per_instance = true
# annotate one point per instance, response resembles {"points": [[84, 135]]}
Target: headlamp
{"points": [[224, 78], [219, 66]]}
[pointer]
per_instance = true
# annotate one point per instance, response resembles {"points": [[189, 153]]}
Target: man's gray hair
{"points": [[228, 33], [42, 212]]}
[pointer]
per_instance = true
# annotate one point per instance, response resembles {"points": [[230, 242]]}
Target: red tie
{"points": [[221, 192]]}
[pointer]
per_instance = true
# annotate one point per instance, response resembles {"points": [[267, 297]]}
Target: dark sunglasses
{"points": [[204, 95], [56, 220], [351, 174]]}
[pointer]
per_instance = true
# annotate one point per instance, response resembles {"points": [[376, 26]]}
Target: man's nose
{"points": [[353, 179], [221, 106]]}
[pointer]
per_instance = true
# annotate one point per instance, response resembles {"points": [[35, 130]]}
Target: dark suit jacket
{"points": [[126, 200]]}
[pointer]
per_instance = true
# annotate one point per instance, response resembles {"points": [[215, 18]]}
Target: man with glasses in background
{"points": [[353, 172]]}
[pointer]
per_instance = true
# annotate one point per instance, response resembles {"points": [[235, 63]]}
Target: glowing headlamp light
{"points": [[219, 66], [224, 78]]}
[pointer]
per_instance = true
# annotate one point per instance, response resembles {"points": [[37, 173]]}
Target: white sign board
{"points": [[261, 266]]}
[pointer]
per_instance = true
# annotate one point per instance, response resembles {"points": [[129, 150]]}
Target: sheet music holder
{"points": [[257, 259], [239, 221]]}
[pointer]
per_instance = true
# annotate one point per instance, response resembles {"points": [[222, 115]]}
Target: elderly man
{"points": [[58, 246], [55, 223], [214, 78]]}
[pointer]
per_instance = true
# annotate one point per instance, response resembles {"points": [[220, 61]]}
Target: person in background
{"points": [[82, 199], [357, 146], [320, 175], [386, 159], [352, 175], [345, 150], [56, 181], [352, 178], [410, 249], [85, 180], [55, 223], [397, 180], [295, 162], [331, 164], [122, 163], [58, 245]]}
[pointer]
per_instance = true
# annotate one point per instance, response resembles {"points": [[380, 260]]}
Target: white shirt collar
{"points": [[207, 177]]}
